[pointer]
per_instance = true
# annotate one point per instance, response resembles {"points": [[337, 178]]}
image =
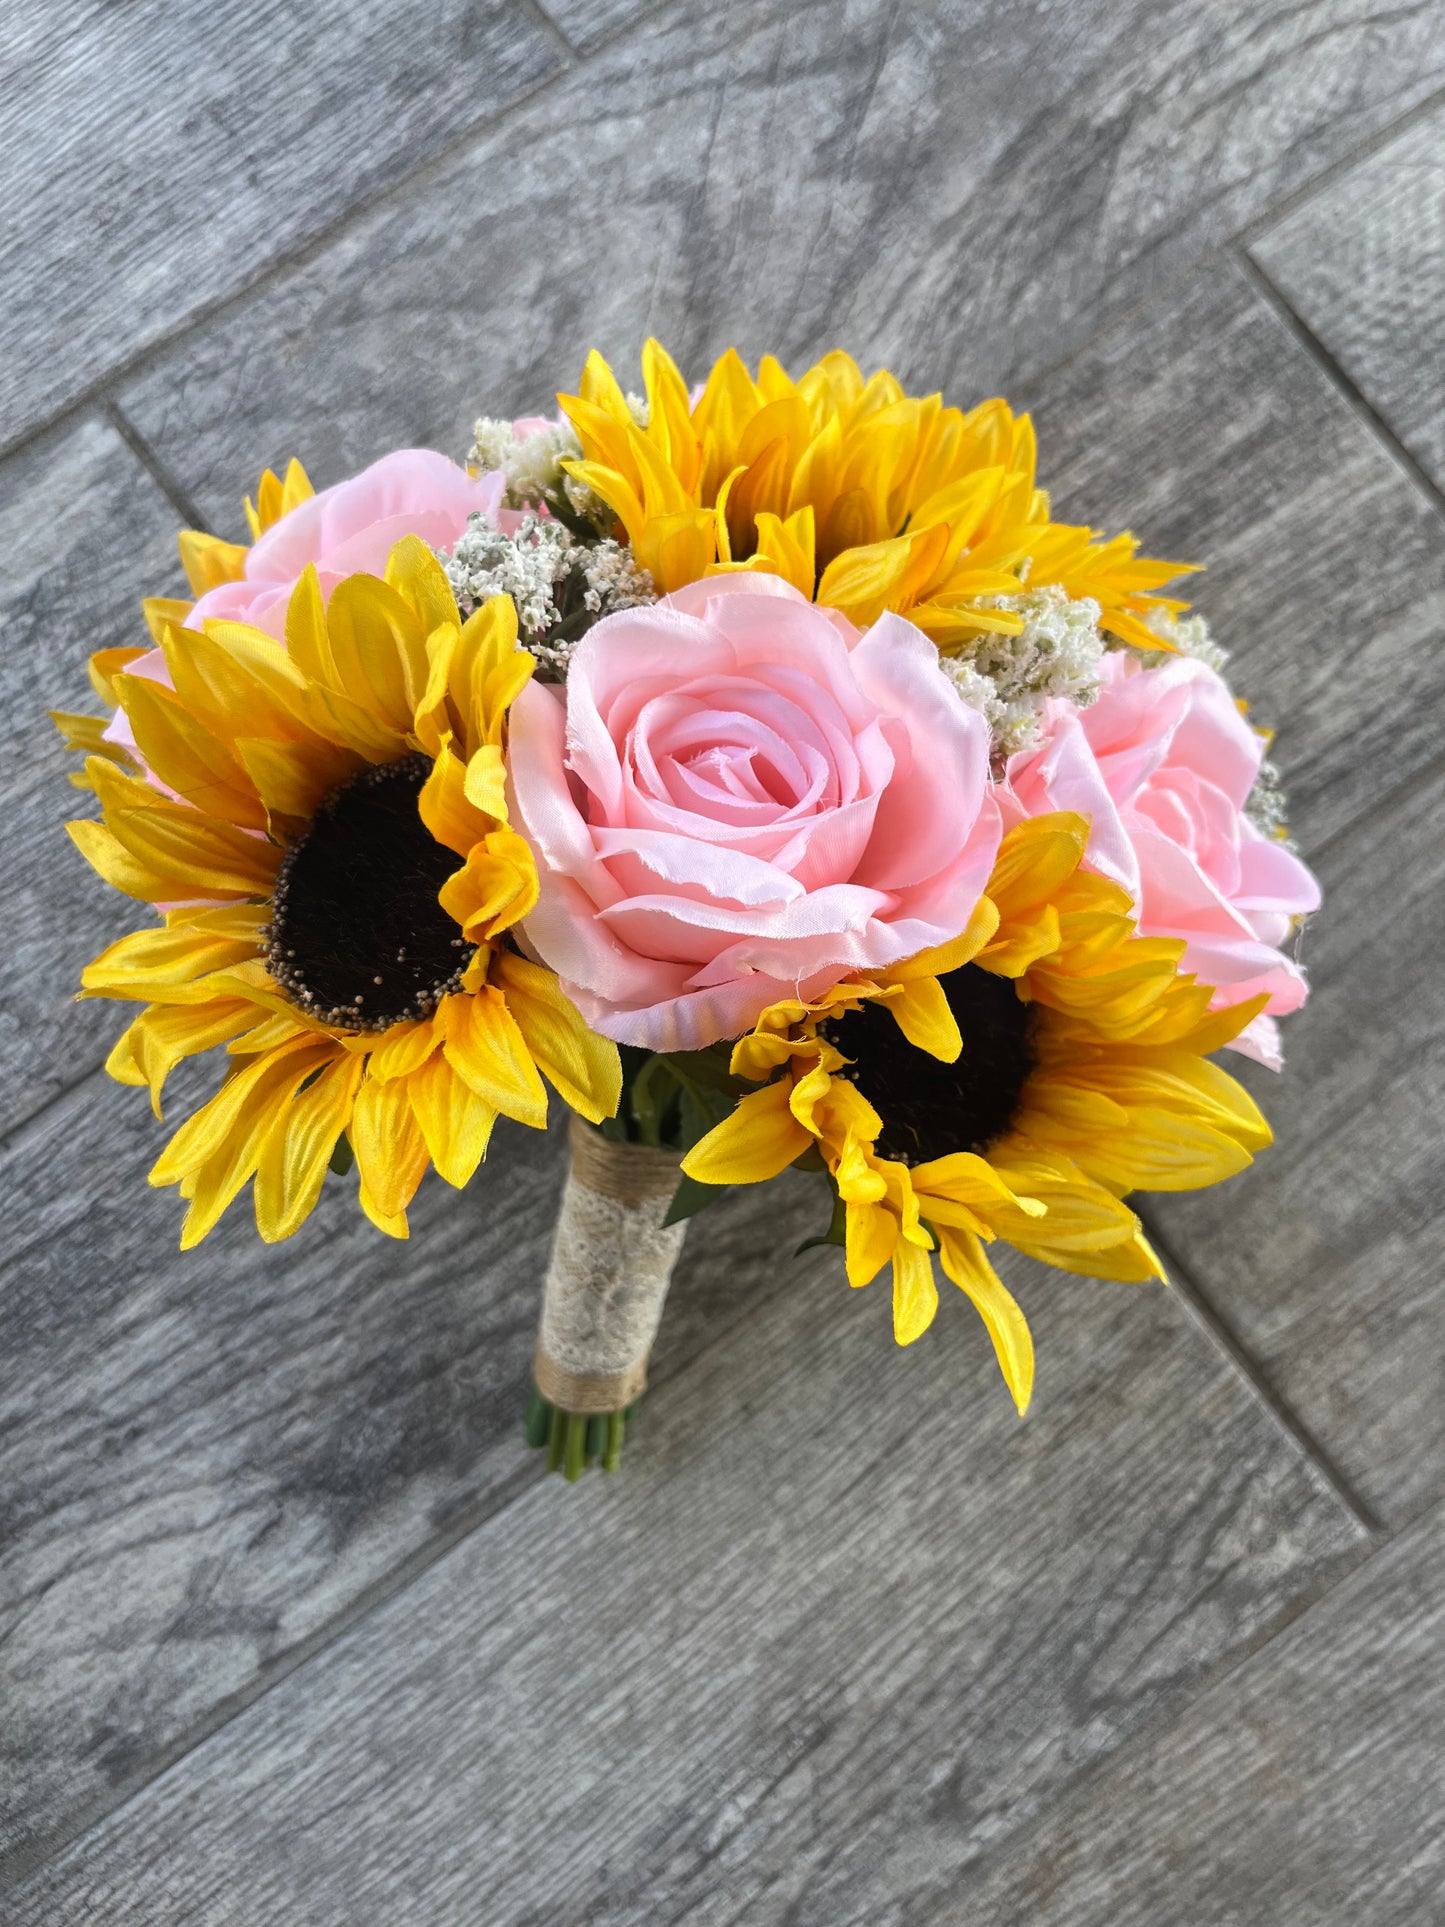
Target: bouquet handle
{"points": [[602, 1299]]}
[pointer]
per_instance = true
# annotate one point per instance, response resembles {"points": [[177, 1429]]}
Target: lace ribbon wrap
{"points": [[612, 1260]]}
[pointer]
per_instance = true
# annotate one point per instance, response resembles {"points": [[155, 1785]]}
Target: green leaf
{"points": [[695, 1120], [690, 1197], [342, 1156], [653, 1092], [707, 1071]]}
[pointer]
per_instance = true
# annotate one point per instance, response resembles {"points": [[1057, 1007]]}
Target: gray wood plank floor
{"points": [[156, 159], [845, 1622], [1304, 1788], [1363, 265], [291, 1630]]}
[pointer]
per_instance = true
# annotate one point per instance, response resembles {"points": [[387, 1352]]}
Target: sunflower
{"points": [[324, 827], [868, 498], [1012, 1085]]}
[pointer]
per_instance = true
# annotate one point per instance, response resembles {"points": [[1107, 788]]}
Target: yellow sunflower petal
{"points": [[121, 1062], [757, 1140], [584, 1068], [216, 1158], [915, 1295], [208, 561], [973, 1183], [788, 547], [391, 1153], [953, 955], [1034, 859], [86, 734], [1021, 941], [379, 649], [414, 572], [164, 963], [297, 1149], [291, 778], [186, 756], [871, 1238], [486, 781], [393, 1223], [402, 1049], [443, 804], [964, 1262], [494, 889], [484, 1046], [162, 613], [455, 1121], [921, 1011], [208, 1130], [203, 856], [165, 1033]]}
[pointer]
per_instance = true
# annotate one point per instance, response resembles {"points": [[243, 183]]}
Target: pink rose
{"points": [[1162, 764], [350, 529], [737, 799]]}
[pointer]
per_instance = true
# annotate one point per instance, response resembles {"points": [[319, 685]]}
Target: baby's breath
{"points": [[531, 464], [560, 586], [1187, 635], [1010, 678]]}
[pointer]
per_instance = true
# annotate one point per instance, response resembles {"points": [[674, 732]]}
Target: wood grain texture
{"points": [[844, 1625], [205, 1457], [1201, 424], [157, 158], [1325, 1256], [587, 23], [84, 533], [956, 188], [1363, 264], [1303, 1791]]}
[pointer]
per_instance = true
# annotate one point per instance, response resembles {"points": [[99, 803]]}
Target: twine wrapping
{"points": [[612, 1260]]}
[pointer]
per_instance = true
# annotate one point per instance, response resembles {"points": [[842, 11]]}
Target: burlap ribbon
{"points": [[611, 1265]]}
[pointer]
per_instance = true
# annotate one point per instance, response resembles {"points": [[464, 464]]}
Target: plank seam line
{"points": [[1288, 204], [1206, 1316], [290, 260], [1227, 244], [306, 251], [28, 1859], [34, 1854], [1074, 1797], [151, 462], [1344, 384], [549, 30]]}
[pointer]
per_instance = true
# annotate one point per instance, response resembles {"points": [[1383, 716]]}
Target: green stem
{"points": [[556, 1439], [575, 1440], [574, 1454], [538, 1418]]}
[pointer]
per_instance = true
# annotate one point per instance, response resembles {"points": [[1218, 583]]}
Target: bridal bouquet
{"points": [[761, 767]]}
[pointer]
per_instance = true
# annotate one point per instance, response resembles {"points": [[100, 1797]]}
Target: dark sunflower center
{"points": [[358, 938], [931, 1109]]}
